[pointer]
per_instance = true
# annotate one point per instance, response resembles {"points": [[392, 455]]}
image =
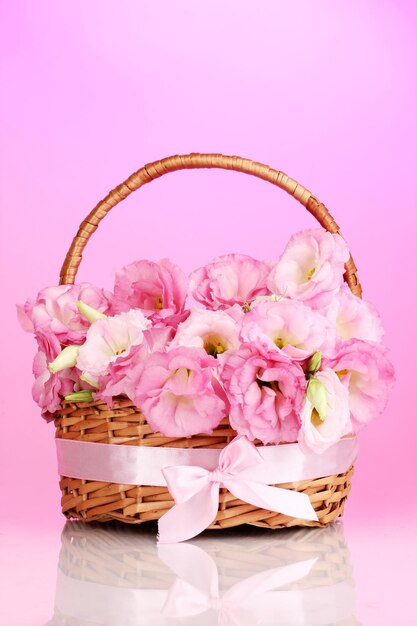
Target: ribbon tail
{"points": [[193, 565], [184, 600], [269, 580], [285, 501], [190, 518]]}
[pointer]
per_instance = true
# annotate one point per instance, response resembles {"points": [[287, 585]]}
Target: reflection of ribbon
{"points": [[113, 576], [196, 492], [196, 589]]}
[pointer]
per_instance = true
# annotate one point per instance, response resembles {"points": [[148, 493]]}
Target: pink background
{"points": [[93, 90]]}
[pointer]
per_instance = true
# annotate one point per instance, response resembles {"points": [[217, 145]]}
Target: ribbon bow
{"points": [[196, 588], [196, 492]]}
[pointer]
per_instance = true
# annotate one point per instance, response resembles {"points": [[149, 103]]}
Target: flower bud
{"points": [[317, 394], [80, 396], [89, 381], [87, 311], [66, 358], [314, 363]]}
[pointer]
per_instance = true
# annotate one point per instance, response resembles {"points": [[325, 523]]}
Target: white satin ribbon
{"points": [[245, 470], [143, 465], [196, 492]]}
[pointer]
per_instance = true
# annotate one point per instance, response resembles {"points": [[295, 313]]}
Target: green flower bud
{"points": [[88, 381], [317, 394], [90, 314], [80, 396], [66, 358], [314, 363]]}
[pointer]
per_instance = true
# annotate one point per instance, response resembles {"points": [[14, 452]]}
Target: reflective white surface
{"points": [[116, 575], [119, 577]]}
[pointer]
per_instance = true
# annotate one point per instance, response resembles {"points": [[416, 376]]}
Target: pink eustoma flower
{"points": [[290, 327], [228, 280], [55, 311], [108, 339], [123, 373], [368, 374], [354, 318], [321, 430], [215, 331], [49, 389], [178, 394], [266, 391], [158, 289], [311, 267]]}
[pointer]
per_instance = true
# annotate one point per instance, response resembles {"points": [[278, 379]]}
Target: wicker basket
{"points": [[124, 424]]}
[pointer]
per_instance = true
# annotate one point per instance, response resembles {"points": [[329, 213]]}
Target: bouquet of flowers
{"points": [[283, 348]]}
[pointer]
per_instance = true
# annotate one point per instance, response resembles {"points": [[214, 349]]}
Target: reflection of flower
{"points": [[55, 311], [325, 417], [215, 331], [289, 327], [228, 280], [311, 267], [354, 318], [110, 338], [266, 391], [178, 394], [368, 375], [158, 289]]}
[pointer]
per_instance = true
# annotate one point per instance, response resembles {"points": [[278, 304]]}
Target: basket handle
{"points": [[196, 161]]}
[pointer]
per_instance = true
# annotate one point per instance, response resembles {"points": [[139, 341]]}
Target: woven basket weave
{"points": [[124, 424]]}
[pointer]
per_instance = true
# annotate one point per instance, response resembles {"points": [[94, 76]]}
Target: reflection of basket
{"points": [[117, 565], [124, 424]]}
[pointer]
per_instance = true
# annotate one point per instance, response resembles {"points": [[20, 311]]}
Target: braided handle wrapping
{"points": [[198, 161]]}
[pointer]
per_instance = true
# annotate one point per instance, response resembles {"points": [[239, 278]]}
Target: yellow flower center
{"points": [[342, 373], [214, 346], [310, 274], [280, 342]]}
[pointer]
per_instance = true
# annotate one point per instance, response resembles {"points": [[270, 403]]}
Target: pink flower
{"points": [[108, 339], [289, 327], [178, 394], [158, 289], [266, 392], [236, 312], [311, 267], [354, 318], [48, 389], [228, 280], [172, 321], [215, 331], [368, 374], [55, 311], [325, 418], [123, 373]]}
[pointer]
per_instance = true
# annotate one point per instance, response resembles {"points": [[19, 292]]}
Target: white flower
{"points": [[325, 417], [215, 331], [109, 338]]}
